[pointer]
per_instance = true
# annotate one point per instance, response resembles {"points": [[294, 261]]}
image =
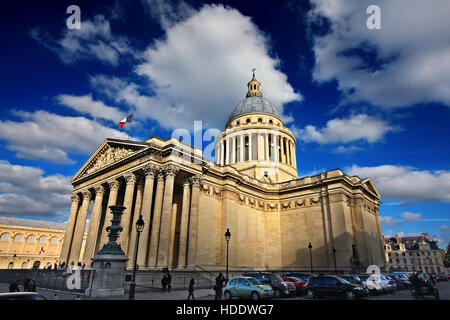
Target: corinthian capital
{"points": [[113, 185], [170, 171], [130, 178], [86, 195], [150, 170], [99, 190], [196, 180], [75, 197]]}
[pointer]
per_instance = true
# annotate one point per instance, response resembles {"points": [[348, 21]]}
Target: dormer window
{"points": [[248, 120], [259, 119]]}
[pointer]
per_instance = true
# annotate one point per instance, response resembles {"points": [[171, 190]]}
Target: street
{"points": [[208, 294]]}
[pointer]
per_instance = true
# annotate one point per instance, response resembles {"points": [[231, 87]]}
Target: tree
{"points": [[446, 256]]}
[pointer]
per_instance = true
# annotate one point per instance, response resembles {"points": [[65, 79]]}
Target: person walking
{"points": [[191, 289], [164, 283], [168, 281], [220, 280]]}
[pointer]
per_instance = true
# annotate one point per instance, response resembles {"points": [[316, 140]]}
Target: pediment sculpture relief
{"points": [[107, 157]]}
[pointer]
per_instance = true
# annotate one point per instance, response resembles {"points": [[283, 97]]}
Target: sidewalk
{"points": [[200, 294]]}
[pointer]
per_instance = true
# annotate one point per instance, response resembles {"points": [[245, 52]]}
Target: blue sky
{"points": [[372, 102]]}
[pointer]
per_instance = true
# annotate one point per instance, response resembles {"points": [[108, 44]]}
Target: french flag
{"points": [[128, 119]]}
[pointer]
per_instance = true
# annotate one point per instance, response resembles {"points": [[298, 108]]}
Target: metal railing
{"points": [[47, 279]]}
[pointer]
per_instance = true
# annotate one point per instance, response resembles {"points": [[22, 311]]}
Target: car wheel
{"points": [[228, 295], [277, 293], [350, 295], [255, 295], [310, 294]]}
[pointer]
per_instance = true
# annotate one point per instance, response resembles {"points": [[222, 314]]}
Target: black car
{"points": [[333, 286], [279, 286], [352, 279]]}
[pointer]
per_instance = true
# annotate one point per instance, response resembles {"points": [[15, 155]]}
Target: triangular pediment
{"points": [[109, 152], [369, 185]]}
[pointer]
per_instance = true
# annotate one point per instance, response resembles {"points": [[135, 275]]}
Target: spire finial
{"points": [[253, 86], [253, 70]]}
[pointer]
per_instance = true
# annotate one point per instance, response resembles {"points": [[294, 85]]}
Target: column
{"points": [[233, 150], [137, 212], [221, 153], [172, 235], [288, 151], [276, 145], [283, 158], [166, 218], [294, 156], [228, 152], [79, 228], [217, 147], [250, 147], [193, 221], [114, 186], [93, 225], [184, 225], [130, 180], [156, 221], [241, 151], [70, 228], [149, 173]]}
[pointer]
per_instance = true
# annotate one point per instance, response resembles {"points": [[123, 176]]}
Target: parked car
{"points": [[334, 286], [21, 296], [300, 275], [352, 279], [279, 286], [393, 278], [378, 284], [298, 283], [248, 288], [443, 277], [402, 281]]}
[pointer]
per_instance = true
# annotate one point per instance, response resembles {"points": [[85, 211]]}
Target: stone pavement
{"points": [[199, 294]]}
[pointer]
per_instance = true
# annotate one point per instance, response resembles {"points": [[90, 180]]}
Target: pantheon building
{"points": [[252, 189]]}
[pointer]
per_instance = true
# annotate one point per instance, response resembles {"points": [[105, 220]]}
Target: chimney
{"points": [[397, 239], [426, 235]]}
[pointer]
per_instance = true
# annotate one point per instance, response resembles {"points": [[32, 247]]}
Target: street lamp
{"points": [[227, 239], [334, 256], [310, 256], [139, 227]]}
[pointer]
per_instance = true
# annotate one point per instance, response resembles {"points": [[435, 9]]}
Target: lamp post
{"points": [[334, 256], [139, 227], [227, 239], [310, 256]]}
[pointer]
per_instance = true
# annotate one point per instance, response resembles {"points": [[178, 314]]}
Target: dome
{"points": [[254, 104]]}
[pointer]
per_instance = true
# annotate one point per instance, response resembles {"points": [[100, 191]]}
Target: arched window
{"points": [[237, 123], [4, 236], [259, 119], [48, 265], [31, 238], [270, 121], [10, 265], [42, 239], [24, 265], [18, 237], [54, 240], [248, 120]]}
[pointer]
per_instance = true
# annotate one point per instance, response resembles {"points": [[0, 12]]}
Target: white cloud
{"points": [[445, 228], [168, 12], [93, 41], [25, 191], [353, 128], [86, 105], [388, 221], [44, 135], [409, 216], [407, 183], [412, 51], [200, 69]]}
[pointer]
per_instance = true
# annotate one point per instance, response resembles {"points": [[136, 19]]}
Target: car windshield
{"points": [[254, 281], [364, 278], [342, 280], [276, 277], [296, 279]]}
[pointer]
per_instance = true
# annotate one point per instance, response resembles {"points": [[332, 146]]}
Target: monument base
{"points": [[107, 276]]}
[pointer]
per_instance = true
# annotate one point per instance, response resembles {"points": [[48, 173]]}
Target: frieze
{"points": [[300, 203], [107, 157]]}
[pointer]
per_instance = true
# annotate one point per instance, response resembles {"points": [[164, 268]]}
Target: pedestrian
{"points": [[55, 297], [191, 289], [14, 287], [220, 280], [55, 266], [168, 281], [164, 283]]}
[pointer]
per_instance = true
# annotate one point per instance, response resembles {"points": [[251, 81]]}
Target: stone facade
{"points": [[188, 202], [419, 253], [25, 243]]}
